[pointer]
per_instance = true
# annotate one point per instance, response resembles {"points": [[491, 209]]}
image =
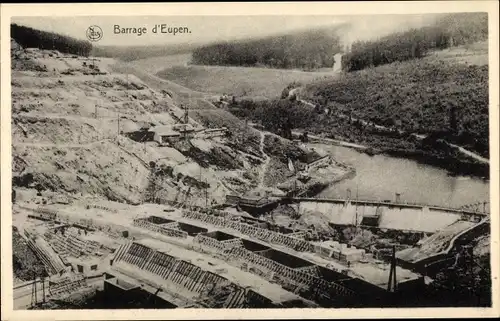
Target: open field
{"points": [[239, 81], [473, 54], [156, 64]]}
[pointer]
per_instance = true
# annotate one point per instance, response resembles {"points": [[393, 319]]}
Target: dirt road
{"points": [[41, 145], [380, 127]]}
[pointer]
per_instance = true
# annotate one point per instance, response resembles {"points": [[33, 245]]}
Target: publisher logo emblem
{"points": [[94, 33]]}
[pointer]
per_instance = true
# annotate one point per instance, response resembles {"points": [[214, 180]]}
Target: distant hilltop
{"points": [[32, 38], [447, 31], [306, 50]]}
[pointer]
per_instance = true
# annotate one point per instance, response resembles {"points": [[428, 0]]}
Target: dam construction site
{"points": [[131, 191]]}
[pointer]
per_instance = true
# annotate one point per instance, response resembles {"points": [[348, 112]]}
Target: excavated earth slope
{"points": [[69, 114]]}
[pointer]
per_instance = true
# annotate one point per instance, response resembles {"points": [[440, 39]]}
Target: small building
{"points": [[214, 132], [184, 129], [254, 204], [232, 199], [165, 134], [87, 265], [338, 251]]}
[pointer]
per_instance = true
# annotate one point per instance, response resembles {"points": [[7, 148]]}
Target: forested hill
{"points": [[32, 38], [130, 53], [448, 30], [421, 95], [305, 50]]}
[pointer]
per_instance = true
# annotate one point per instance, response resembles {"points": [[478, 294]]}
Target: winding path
{"points": [[469, 153], [418, 136], [331, 140], [86, 145]]}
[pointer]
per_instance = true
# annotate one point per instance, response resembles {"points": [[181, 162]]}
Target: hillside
{"points": [[422, 96], [449, 30], [238, 81], [69, 119], [154, 65], [307, 50], [130, 53], [33, 38], [468, 283], [60, 145], [390, 108]]}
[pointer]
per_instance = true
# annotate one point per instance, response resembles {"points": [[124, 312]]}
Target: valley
{"points": [[251, 174]]}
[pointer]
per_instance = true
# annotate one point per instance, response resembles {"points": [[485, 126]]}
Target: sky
{"points": [[215, 28]]}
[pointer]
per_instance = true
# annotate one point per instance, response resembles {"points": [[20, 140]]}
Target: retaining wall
{"points": [[159, 229], [184, 274], [288, 277], [259, 233]]}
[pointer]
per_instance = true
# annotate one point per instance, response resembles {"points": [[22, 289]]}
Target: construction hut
{"points": [[256, 202], [165, 134], [214, 132], [184, 129]]}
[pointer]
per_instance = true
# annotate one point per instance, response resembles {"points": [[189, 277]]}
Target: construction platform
{"points": [[282, 268]]}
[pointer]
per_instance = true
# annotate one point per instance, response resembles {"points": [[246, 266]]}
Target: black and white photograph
{"points": [[250, 161]]}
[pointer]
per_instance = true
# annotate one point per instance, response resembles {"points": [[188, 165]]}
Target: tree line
{"points": [[307, 50], [426, 97], [32, 38], [448, 31], [280, 116], [131, 53]]}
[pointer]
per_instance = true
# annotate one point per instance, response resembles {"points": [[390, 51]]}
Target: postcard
{"points": [[250, 160]]}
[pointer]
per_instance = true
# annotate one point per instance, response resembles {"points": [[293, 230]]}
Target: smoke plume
{"points": [[366, 28]]}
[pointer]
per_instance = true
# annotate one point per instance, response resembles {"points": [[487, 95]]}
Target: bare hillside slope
{"points": [[68, 120]]}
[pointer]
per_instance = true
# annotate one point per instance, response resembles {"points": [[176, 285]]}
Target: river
{"points": [[379, 177]]}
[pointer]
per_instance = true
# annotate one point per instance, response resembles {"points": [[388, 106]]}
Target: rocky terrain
{"points": [[69, 116]]}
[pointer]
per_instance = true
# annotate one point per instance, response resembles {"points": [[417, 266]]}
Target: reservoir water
{"points": [[379, 177]]}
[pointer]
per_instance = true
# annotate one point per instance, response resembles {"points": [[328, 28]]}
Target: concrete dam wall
{"points": [[419, 219]]}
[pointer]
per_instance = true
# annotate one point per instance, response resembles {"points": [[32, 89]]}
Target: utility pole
{"points": [[186, 121], [33, 291], [296, 192], [357, 195], [43, 288], [392, 285], [206, 194], [186, 115]]}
